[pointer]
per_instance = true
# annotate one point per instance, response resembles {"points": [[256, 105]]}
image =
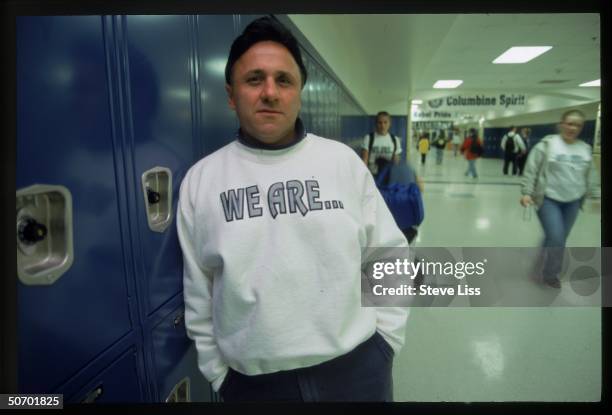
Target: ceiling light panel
{"points": [[596, 82], [448, 83], [521, 54]]}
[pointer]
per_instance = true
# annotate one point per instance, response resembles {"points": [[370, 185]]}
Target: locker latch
{"points": [[30, 231], [43, 233], [93, 395], [157, 191]]}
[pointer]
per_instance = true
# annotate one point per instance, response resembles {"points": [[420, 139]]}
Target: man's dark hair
{"points": [[259, 30], [385, 113]]}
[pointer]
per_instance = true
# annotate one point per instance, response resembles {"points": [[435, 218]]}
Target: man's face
{"points": [[382, 124], [571, 126], [265, 92]]}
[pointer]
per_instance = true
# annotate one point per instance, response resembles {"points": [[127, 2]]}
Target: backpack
{"points": [[509, 144], [440, 143], [404, 201], [476, 148], [394, 138]]}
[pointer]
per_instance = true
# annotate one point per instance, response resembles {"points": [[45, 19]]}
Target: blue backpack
{"points": [[403, 200]]}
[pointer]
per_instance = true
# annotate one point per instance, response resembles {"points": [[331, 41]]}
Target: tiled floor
{"points": [[495, 353]]}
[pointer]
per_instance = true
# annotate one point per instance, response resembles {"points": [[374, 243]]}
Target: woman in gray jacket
{"points": [[559, 174]]}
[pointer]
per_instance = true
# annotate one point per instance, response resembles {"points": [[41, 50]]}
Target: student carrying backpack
{"points": [[380, 146], [440, 143], [511, 144]]}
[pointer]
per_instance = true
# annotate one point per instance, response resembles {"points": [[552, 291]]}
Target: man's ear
{"points": [[230, 99]]}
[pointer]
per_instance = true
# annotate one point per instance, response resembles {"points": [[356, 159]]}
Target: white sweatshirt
{"points": [[272, 244]]}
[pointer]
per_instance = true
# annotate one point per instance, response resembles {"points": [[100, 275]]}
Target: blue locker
{"points": [[317, 100], [175, 361], [305, 94], [64, 138], [159, 56], [118, 382], [217, 122], [308, 108], [325, 105]]}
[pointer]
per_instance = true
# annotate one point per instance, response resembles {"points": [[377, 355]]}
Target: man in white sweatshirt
{"points": [[274, 229]]}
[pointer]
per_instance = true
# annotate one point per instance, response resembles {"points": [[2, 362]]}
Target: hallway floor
{"points": [[495, 353]]}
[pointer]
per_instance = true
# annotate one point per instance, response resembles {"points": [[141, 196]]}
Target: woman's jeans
{"points": [[557, 219], [471, 168]]}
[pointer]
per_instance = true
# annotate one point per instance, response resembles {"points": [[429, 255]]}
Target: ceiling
{"points": [[386, 59]]}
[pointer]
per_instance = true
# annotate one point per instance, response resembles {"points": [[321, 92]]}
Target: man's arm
{"points": [[197, 292]]}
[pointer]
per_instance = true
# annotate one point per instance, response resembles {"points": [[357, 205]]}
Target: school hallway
{"points": [[179, 213], [472, 354]]}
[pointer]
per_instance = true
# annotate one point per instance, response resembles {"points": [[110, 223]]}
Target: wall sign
{"points": [[480, 101]]}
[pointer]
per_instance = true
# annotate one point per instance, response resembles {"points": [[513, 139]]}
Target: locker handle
{"points": [[178, 320], [153, 196], [30, 231], [43, 233], [93, 395], [157, 192]]}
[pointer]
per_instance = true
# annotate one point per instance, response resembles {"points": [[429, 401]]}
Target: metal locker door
{"points": [[305, 94], [159, 55], [317, 101], [65, 145], [117, 383], [177, 376], [218, 123]]}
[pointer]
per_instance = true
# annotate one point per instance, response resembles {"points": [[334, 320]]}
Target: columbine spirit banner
{"points": [[472, 101]]}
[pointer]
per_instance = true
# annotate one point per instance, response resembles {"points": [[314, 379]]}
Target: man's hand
{"points": [[526, 200]]}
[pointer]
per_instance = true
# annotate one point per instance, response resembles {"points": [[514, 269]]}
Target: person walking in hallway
{"points": [[472, 149], [559, 175], [380, 147], [521, 157], [424, 147], [440, 144], [512, 145]]}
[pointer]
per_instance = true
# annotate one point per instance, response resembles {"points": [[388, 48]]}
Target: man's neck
{"points": [[250, 141]]}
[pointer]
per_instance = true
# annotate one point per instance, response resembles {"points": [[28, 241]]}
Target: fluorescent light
{"points": [[417, 102], [521, 54], [596, 82], [449, 83]]}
